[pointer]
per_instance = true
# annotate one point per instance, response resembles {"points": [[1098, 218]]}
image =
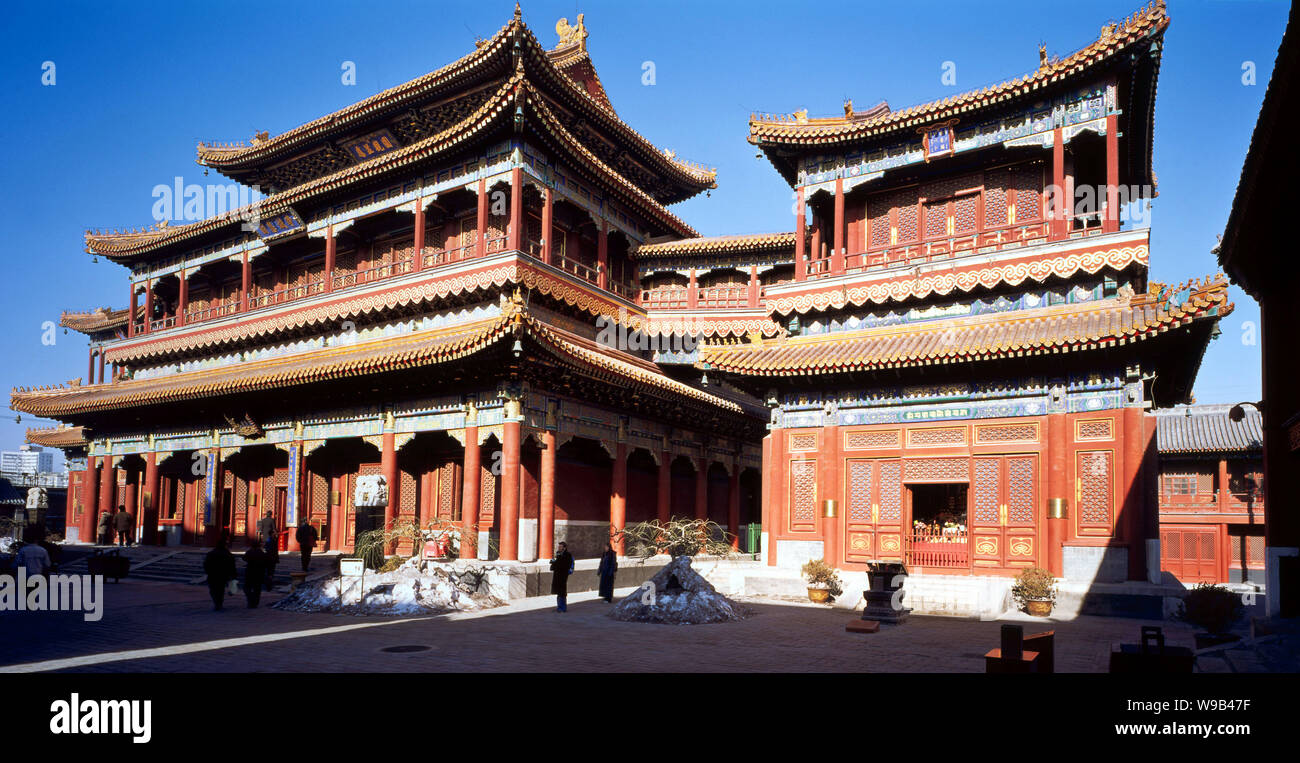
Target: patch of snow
{"points": [[439, 588], [681, 597]]}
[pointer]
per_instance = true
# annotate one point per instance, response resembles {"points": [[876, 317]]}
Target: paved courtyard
{"points": [[158, 627]]}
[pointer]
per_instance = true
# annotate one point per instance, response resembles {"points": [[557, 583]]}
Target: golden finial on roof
{"points": [[801, 116], [571, 35], [848, 108], [1108, 31], [259, 137]]}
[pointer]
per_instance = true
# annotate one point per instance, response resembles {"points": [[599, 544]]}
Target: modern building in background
{"points": [[28, 459]]}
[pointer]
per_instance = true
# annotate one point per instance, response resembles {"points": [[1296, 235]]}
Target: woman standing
{"points": [[608, 567]]}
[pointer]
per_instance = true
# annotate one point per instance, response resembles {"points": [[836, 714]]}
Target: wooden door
{"points": [[873, 515], [1188, 553], [1004, 496]]}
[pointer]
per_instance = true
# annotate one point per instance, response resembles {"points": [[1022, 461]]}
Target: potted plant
{"points": [[1214, 608], [1035, 591], [823, 581]]}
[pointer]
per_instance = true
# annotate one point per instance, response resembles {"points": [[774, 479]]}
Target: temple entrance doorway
{"points": [[939, 537]]}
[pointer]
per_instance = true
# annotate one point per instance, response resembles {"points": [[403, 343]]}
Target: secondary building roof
{"points": [[1189, 429]]}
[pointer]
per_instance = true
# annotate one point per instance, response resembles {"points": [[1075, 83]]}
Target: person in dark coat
{"points": [[306, 536], [220, 566], [561, 568], [607, 570], [105, 529], [254, 574], [271, 547], [122, 522]]}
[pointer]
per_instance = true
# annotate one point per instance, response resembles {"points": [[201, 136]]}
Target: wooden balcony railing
{"points": [[724, 296], [940, 249], [665, 299], [404, 263], [943, 550]]}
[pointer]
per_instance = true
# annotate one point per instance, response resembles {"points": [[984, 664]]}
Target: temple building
{"points": [[1211, 494], [471, 285]]}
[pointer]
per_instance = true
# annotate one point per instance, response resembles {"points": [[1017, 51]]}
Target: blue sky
{"points": [[138, 85]]}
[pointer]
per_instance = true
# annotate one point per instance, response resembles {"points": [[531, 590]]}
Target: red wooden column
{"points": [[837, 257], [828, 489], [816, 252], [702, 488], [753, 286], [548, 219], [101, 365], [510, 491], [183, 299], [149, 507], [1059, 220], [800, 239], [1110, 223], [90, 366], [132, 497], [89, 502], [388, 466], [130, 313], [664, 494], [516, 210], [618, 497], [331, 249], [1223, 485], [546, 504], [765, 499], [148, 306], [245, 284], [480, 227], [733, 506], [778, 498], [602, 256], [469, 502], [693, 292], [1058, 487], [418, 243], [1132, 493], [107, 486]]}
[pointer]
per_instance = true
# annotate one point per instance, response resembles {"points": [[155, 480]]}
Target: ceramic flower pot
{"points": [[819, 595], [1039, 607]]}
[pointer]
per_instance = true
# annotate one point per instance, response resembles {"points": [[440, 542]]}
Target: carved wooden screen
{"points": [[1003, 504], [873, 510], [803, 495], [1095, 492]]}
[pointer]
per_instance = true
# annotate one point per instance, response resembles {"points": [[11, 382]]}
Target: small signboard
{"points": [[352, 568]]}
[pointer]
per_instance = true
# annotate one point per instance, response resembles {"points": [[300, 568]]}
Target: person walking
{"points": [[270, 534], [254, 574], [561, 569], [306, 536], [220, 566], [104, 532], [33, 558], [122, 522], [607, 570]]}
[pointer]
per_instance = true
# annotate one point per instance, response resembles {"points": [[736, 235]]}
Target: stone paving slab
{"points": [[172, 628]]}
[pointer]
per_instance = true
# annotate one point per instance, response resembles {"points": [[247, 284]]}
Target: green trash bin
{"points": [[752, 538]]}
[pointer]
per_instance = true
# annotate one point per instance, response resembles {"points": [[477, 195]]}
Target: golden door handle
{"points": [[1002, 515], [875, 513]]}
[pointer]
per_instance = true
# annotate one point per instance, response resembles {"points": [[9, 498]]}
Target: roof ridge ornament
{"points": [[571, 35]]}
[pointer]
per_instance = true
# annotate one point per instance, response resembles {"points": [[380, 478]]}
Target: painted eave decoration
{"points": [[1039, 331]]}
